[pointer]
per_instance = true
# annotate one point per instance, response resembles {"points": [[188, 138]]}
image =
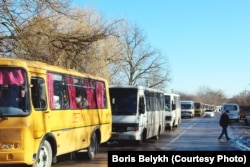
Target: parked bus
{"points": [[187, 109], [198, 108], [137, 112], [172, 110], [47, 111]]}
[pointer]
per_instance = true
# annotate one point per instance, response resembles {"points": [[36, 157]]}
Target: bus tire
{"points": [[143, 138], [178, 123], [44, 155], [173, 125], [93, 147]]}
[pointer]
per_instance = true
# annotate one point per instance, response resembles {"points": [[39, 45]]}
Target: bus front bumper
{"points": [[17, 157], [126, 136]]}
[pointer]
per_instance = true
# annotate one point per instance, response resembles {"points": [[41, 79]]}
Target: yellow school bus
{"points": [[47, 111]]}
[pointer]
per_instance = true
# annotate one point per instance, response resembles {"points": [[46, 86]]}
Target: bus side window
{"points": [[3, 96], [58, 95], [38, 93], [57, 91], [81, 99]]}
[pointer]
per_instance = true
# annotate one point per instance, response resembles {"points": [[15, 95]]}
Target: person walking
{"points": [[224, 122]]}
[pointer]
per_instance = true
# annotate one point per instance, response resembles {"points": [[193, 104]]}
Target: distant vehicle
{"points": [[199, 108], [138, 113], [172, 110], [209, 113], [244, 110], [247, 119], [187, 109], [217, 109], [234, 111]]}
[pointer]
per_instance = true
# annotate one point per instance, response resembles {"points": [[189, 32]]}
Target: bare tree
{"points": [[243, 98], [70, 42], [210, 96], [14, 15], [44, 31], [185, 96], [140, 64]]}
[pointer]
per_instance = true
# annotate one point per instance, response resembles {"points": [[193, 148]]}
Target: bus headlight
{"points": [[10, 146]]}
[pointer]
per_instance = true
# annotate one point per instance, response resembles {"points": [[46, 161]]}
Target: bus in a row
{"points": [[172, 110], [199, 108], [47, 111], [138, 113]]}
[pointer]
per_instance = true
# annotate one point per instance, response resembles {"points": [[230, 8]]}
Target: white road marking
{"points": [[177, 137]]}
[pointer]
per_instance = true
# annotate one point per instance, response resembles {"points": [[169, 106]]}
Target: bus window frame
{"points": [[40, 89]]}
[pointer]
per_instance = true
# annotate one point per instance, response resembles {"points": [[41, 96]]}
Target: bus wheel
{"points": [[178, 123], [173, 125], [93, 148], [44, 155], [143, 137]]}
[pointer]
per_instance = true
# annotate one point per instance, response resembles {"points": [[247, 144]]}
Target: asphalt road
{"points": [[193, 134]]}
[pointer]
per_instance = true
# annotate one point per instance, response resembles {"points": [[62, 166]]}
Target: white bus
{"points": [[187, 109], [137, 112], [172, 110]]}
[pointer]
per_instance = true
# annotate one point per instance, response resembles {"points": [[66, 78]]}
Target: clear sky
{"points": [[207, 42]]}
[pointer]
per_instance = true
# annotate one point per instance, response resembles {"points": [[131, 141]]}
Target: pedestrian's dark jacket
{"points": [[224, 120]]}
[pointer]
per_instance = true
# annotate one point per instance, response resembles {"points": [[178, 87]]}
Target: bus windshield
{"points": [[13, 92], [197, 105], [123, 101], [185, 106]]}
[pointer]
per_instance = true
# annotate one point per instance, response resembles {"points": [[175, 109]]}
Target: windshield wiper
{"points": [[3, 117]]}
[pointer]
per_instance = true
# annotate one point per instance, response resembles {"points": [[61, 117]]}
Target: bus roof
{"points": [[174, 94], [31, 65], [135, 87], [187, 101]]}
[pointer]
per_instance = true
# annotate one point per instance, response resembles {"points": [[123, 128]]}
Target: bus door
{"points": [[39, 102], [142, 114]]}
